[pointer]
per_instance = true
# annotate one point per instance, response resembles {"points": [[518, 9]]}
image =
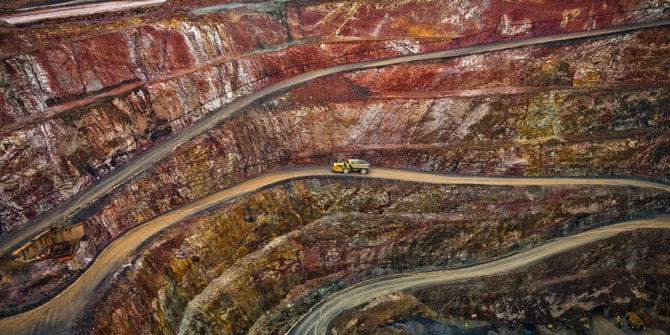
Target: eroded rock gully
{"points": [[78, 102]]}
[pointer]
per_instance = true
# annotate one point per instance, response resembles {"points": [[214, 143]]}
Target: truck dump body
{"points": [[634, 321], [358, 163]]}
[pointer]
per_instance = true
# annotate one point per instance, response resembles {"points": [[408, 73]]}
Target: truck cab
{"points": [[351, 165]]}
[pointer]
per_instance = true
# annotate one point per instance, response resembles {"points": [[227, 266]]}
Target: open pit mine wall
{"points": [[615, 276], [254, 265], [77, 102]]}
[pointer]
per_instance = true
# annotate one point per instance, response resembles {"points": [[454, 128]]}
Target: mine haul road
{"points": [[62, 213], [74, 8], [56, 315], [317, 320]]}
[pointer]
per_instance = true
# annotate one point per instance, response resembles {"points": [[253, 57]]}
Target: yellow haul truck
{"points": [[350, 165], [634, 321]]}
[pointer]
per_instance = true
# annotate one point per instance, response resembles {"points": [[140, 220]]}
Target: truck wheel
{"points": [[364, 171], [345, 170]]}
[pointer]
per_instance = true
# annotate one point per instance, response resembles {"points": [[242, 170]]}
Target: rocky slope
{"points": [[553, 132], [257, 264], [571, 125], [619, 273], [77, 102]]}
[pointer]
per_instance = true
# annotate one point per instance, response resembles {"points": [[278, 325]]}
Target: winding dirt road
{"points": [[62, 213], [601, 326], [320, 316], [69, 9], [57, 315]]}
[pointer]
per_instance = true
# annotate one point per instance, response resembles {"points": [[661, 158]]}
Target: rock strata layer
{"points": [[255, 265], [80, 100]]}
